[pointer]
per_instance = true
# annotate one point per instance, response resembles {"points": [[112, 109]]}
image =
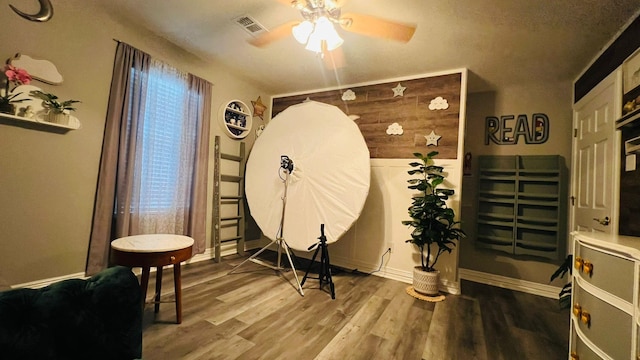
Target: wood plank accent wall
{"points": [[378, 108]]}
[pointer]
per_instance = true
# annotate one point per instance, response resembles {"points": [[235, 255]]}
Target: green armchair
{"points": [[97, 318]]}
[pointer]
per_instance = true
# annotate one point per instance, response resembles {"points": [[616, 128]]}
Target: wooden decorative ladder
{"points": [[223, 199]]}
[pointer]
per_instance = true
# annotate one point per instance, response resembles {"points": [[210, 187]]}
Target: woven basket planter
{"points": [[426, 282], [57, 118]]}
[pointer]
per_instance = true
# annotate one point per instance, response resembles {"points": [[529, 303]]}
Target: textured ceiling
{"points": [[502, 42]]}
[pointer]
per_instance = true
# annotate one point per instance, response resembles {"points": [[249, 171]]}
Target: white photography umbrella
{"points": [[329, 182]]}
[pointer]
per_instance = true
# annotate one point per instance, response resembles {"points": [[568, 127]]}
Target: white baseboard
{"points": [[226, 249], [391, 273], [44, 282], [510, 283], [385, 272]]}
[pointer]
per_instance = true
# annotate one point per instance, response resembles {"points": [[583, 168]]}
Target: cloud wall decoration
{"points": [[348, 95], [43, 70], [395, 129], [439, 103]]}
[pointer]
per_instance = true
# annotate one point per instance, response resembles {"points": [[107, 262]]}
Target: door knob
{"points": [[604, 221]]}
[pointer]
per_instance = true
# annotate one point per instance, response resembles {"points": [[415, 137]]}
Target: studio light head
{"points": [[286, 163]]}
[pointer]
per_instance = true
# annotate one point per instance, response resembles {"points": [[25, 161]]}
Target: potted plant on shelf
{"points": [[58, 111], [432, 220], [17, 77]]}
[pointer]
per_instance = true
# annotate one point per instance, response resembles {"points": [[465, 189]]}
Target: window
{"points": [[164, 155]]}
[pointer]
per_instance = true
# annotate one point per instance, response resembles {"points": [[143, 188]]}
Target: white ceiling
{"points": [[502, 42]]}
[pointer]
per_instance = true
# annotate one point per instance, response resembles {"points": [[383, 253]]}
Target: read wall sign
{"points": [[508, 129]]}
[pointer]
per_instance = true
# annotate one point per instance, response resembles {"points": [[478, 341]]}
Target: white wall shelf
{"points": [[74, 123], [38, 113]]}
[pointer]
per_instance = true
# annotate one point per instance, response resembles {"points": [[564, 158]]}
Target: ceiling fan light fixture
{"points": [[332, 38], [323, 31], [302, 31], [315, 43]]}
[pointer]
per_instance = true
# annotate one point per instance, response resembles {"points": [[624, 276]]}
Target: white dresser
{"points": [[605, 318]]}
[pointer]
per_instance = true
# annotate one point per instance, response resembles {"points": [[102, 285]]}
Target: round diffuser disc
{"points": [[329, 182]]}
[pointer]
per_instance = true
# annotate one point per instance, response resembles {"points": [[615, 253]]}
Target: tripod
{"points": [[325, 266], [287, 165]]}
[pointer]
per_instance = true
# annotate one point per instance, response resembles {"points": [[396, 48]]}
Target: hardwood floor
{"points": [[255, 313]]}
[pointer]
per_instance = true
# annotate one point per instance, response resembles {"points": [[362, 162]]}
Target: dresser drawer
{"points": [[580, 349], [606, 326], [610, 273]]}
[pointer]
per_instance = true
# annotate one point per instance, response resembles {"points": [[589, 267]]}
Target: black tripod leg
{"points": [[310, 265], [323, 261], [329, 279]]}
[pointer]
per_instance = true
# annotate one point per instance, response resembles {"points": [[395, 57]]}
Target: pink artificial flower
{"points": [[17, 75]]}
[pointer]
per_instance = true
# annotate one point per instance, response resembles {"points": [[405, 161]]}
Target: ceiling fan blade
{"points": [[377, 27], [277, 33]]}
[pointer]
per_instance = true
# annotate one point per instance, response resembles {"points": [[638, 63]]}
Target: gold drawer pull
{"points": [[579, 263], [172, 258], [587, 268], [585, 317], [574, 356], [577, 310]]}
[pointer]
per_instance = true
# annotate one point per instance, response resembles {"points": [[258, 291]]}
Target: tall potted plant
{"points": [[432, 220]]}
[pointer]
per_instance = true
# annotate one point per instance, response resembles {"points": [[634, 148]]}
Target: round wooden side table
{"points": [[155, 250]]}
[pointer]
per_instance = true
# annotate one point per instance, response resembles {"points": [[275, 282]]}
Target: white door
{"points": [[595, 163]]}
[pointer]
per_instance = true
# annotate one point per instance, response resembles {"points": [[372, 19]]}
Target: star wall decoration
{"points": [[258, 108], [398, 90], [432, 139]]}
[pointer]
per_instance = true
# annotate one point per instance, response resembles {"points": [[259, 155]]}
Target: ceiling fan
{"points": [[317, 30]]}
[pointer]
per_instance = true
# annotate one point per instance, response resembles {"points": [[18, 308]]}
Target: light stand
{"points": [[287, 165], [325, 266]]}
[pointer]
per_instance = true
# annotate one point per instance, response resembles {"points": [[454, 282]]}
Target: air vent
{"points": [[250, 25]]}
